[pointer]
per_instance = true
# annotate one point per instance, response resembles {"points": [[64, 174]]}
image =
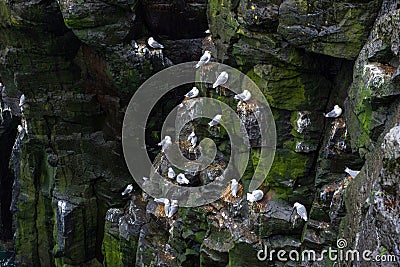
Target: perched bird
{"points": [[222, 79], [127, 190], [22, 103], [171, 173], [255, 196], [20, 129], [193, 139], [334, 113], [234, 187], [181, 179], [134, 45], [192, 93], [351, 172], [300, 210], [215, 121], [244, 96], [154, 44], [22, 100], [165, 143], [205, 58], [173, 209]]}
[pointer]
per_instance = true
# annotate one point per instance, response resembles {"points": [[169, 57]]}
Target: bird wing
{"points": [[204, 58], [331, 114]]}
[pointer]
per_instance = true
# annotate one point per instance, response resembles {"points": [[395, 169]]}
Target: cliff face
{"points": [[79, 62]]}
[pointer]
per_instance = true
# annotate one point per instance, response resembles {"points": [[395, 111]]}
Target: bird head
{"points": [[168, 138], [151, 39], [174, 202], [296, 204], [207, 52], [336, 107], [170, 169]]}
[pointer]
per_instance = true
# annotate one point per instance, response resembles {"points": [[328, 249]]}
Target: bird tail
{"points": [[215, 85], [197, 66]]}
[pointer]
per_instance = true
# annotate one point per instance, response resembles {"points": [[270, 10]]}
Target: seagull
{"points": [[20, 129], [205, 58], [222, 79], [181, 179], [192, 93], [165, 143], [351, 172], [301, 210], [254, 196], [215, 121], [334, 113], [245, 96], [173, 209], [134, 45], [234, 187], [171, 173], [127, 190], [154, 44], [193, 139]]}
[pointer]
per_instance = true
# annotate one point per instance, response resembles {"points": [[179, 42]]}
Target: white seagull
{"points": [[351, 172], [127, 190], [154, 44], [234, 187], [193, 139], [254, 196], [171, 173], [334, 113], [173, 209], [301, 210], [205, 58], [215, 121], [192, 93], [244, 96], [222, 79], [22, 100], [165, 143], [181, 179]]}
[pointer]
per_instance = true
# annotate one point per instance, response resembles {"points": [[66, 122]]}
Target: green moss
{"points": [[287, 165], [283, 88], [243, 254], [77, 22]]}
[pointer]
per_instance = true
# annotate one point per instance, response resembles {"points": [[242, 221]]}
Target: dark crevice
{"points": [[8, 133]]}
